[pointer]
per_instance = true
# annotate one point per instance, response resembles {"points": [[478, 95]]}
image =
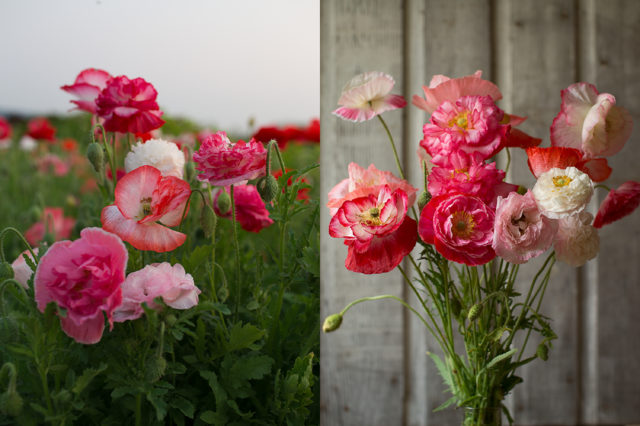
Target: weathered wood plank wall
{"points": [[374, 370]]}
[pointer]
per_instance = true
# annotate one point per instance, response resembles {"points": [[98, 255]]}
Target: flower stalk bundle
{"points": [[459, 250]]}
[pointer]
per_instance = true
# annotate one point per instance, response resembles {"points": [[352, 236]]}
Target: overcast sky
{"points": [[215, 61]]}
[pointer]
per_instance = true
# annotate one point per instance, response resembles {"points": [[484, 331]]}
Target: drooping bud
{"points": [[208, 220], [332, 323], [224, 202], [96, 156], [474, 312], [11, 403], [423, 199], [542, 352], [6, 271], [267, 187]]}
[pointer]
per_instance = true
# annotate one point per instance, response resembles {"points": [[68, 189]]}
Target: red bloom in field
{"points": [[251, 212], [53, 222], [83, 277], [88, 85], [460, 227], [303, 194], [267, 133], [5, 129], [376, 229], [69, 145], [618, 204], [223, 163], [145, 202], [41, 128], [129, 106]]}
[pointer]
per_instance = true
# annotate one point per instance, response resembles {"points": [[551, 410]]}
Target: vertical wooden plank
{"points": [[535, 48], [451, 38], [616, 275], [362, 363]]}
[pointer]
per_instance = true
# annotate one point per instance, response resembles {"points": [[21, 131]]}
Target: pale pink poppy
{"points": [[53, 222], [577, 241], [87, 86], [362, 182], [521, 232], [460, 227], [591, 122], [145, 204], [251, 212], [618, 203], [129, 106], [376, 229], [22, 272], [83, 277], [171, 283], [223, 163], [367, 95], [51, 163]]}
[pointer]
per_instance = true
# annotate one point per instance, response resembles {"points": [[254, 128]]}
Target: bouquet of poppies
{"points": [[162, 310], [464, 241]]}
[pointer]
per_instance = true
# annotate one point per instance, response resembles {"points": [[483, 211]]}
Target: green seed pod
{"points": [[223, 294], [474, 312], [95, 154], [35, 213], [332, 323], [189, 171], [208, 220], [11, 403], [267, 188], [6, 271], [423, 199], [171, 320], [224, 202], [542, 352]]}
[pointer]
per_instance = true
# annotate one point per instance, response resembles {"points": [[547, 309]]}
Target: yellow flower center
{"points": [[461, 121], [371, 217], [560, 181], [463, 224], [464, 171]]}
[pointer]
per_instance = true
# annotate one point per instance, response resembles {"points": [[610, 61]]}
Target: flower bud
{"points": [[542, 352], [11, 403], [224, 202], [332, 323], [267, 188], [208, 220], [171, 319], [154, 368], [474, 312], [522, 190], [35, 213], [96, 156], [423, 199], [6, 271]]}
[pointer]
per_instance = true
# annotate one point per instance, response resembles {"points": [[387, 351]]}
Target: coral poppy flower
{"points": [[41, 128], [223, 163], [376, 229], [367, 95], [541, 160], [53, 222], [591, 122], [618, 203], [87, 86], [145, 202], [83, 277], [251, 212], [460, 227], [129, 106], [69, 145]]}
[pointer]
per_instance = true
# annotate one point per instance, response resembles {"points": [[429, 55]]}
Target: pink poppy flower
{"points": [[53, 222], [21, 271], [471, 124], [129, 106], [367, 95], [41, 128], [618, 203], [5, 129], [576, 241], [145, 204], [468, 174], [87, 86], [460, 227], [376, 229], [251, 212], [171, 283], [541, 160], [591, 122], [223, 163], [51, 163], [83, 277], [442, 88], [362, 182], [521, 232]]}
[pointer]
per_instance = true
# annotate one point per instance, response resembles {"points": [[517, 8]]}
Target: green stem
{"points": [[19, 234], [237, 251], [380, 297], [393, 145], [138, 420]]}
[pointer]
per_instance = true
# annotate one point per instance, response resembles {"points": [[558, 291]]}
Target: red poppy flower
{"points": [[618, 204], [41, 128]]}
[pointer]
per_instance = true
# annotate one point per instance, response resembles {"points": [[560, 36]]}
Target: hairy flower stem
{"points": [[393, 146], [138, 409], [4, 232], [237, 251], [384, 296]]}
